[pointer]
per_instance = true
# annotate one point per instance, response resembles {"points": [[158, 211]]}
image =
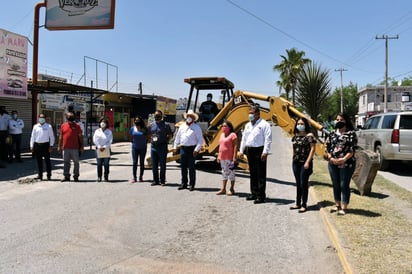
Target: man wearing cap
{"points": [[208, 109], [189, 139]]}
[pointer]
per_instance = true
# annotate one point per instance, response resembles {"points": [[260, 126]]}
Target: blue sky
{"points": [[161, 42]]}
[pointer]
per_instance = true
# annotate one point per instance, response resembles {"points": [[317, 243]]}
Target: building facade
{"points": [[371, 101]]}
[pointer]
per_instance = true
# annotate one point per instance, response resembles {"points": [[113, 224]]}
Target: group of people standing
{"points": [[11, 130], [255, 144], [340, 149]]}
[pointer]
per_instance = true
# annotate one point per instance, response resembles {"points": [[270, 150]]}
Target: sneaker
{"points": [[341, 212], [132, 181]]}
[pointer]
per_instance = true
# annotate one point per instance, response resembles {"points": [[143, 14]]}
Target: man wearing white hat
{"points": [[189, 139]]}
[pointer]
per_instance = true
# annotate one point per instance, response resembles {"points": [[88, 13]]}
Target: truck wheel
{"points": [[383, 164]]}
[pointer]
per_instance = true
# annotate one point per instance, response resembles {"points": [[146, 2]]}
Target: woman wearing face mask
{"points": [[138, 137], [227, 156], [303, 150], [340, 147], [103, 138]]}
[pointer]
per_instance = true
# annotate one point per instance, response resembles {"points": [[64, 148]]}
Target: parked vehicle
{"points": [[389, 135]]}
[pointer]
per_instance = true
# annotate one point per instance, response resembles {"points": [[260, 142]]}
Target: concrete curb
{"points": [[333, 234]]}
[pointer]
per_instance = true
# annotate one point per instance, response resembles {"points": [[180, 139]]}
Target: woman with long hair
{"points": [[340, 147], [304, 143]]}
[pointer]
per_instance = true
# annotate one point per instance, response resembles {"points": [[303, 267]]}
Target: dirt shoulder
{"points": [[375, 234]]}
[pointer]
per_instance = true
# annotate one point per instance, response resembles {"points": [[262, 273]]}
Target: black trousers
{"points": [[257, 169], [14, 148], [41, 150], [3, 146]]}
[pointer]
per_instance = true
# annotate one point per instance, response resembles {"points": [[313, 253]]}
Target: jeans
{"points": [[341, 180], [100, 163], [188, 162], [138, 155], [302, 182], [158, 153]]}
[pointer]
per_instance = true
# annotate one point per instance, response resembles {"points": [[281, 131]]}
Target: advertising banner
{"points": [[13, 65], [79, 14]]}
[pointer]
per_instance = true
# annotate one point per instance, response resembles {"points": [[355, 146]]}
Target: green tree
{"points": [[289, 68], [313, 88], [350, 103]]}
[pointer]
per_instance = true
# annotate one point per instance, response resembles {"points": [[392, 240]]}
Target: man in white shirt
{"points": [[41, 144], [256, 143], [16, 126], [189, 139]]}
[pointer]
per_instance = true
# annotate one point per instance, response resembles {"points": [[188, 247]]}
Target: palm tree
{"points": [[289, 69], [313, 89]]}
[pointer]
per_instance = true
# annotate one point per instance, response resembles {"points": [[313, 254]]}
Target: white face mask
{"points": [[251, 117], [300, 127], [14, 116], [189, 120], [42, 120], [102, 124]]}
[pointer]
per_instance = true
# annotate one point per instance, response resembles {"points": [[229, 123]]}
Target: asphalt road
{"points": [[118, 227]]}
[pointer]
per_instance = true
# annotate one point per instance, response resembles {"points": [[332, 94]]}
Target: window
{"points": [[372, 123], [388, 121], [405, 122]]}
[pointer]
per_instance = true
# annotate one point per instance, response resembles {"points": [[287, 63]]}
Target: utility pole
{"points": [[385, 100], [341, 87]]}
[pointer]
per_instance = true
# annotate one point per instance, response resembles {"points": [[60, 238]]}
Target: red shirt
{"points": [[70, 132]]}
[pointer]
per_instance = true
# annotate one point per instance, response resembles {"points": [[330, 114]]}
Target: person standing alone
{"points": [[256, 142], [71, 144], [41, 145]]}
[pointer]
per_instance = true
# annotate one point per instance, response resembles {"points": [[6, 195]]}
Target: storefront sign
{"points": [[13, 65], [76, 14]]}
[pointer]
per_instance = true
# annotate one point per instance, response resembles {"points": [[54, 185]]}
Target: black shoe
{"points": [[48, 178], [259, 201], [192, 188], [251, 197], [99, 179], [181, 187], [154, 184], [65, 179], [162, 183], [39, 178], [106, 178], [76, 179]]}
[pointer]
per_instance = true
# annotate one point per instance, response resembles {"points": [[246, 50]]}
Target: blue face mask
{"points": [[251, 117], [300, 127]]}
